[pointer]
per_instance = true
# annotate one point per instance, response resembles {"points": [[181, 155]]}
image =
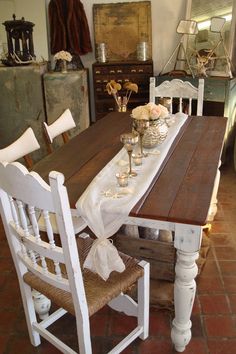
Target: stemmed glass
{"points": [[129, 140], [140, 125]]}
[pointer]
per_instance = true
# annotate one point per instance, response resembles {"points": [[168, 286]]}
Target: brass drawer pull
{"points": [[112, 71], [126, 80], [140, 70], [119, 71], [98, 81], [133, 70], [110, 109], [105, 80], [98, 72]]}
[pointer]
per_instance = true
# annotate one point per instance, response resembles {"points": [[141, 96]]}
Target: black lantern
{"points": [[19, 42]]}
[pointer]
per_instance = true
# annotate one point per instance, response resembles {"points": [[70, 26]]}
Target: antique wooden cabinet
{"points": [[135, 71]]}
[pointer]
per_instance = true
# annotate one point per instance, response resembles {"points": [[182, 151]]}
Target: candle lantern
{"points": [[19, 42]]}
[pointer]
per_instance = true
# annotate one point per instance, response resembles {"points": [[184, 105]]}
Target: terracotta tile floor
{"points": [[214, 313]]}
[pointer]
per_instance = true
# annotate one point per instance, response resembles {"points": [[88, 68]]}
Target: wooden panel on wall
{"points": [[122, 26]]}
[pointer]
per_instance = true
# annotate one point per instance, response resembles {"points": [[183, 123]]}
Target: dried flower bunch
{"points": [[63, 55], [113, 87], [150, 111]]}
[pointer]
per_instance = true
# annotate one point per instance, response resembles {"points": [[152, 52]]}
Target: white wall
{"points": [[165, 17]]}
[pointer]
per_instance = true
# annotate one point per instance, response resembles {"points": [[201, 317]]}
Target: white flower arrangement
{"points": [[63, 55], [150, 111]]}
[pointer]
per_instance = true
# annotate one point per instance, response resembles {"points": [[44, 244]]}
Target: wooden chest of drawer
{"points": [[134, 71]]}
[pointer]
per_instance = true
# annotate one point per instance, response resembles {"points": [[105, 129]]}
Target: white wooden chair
{"points": [[22, 147], [53, 266], [60, 127], [181, 90]]}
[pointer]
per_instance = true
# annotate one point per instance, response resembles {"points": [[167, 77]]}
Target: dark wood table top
{"points": [[182, 189]]}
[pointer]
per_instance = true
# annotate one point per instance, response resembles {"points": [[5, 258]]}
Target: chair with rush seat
{"points": [[22, 147], [181, 90], [60, 127], [53, 265]]}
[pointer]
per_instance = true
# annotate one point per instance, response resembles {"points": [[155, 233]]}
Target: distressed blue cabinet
{"points": [[22, 104], [68, 90]]}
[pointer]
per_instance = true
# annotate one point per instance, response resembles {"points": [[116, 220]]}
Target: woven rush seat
{"points": [[98, 292]]}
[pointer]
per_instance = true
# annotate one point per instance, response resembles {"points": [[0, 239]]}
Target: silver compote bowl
{"points": [[140, 125], [130, 140]]}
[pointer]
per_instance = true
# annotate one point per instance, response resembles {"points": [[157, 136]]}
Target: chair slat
{"points": [[42, 247]]}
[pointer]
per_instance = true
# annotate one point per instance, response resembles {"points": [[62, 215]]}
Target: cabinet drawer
{"points": [[105, 105], [122, 69]]}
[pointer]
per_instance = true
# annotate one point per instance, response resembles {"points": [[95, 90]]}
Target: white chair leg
{"points": [[143, 299], [41, 304], [29, 313], [84, 336]]}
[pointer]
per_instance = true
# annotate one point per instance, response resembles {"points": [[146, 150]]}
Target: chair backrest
{"points": [[19, 211], [22, 147], [64, 123], [179, 89]]}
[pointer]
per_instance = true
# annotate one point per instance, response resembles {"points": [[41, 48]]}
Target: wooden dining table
{"points": [[178, 199]]}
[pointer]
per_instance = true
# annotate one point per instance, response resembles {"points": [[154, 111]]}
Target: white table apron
{"points": [[104, 206]]}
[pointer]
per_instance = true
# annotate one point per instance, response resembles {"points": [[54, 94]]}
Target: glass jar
{"points": [[143, 51], [101, 53]]}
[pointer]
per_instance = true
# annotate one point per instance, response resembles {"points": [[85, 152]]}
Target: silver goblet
{"points": [[129, 140], [140, 125]]}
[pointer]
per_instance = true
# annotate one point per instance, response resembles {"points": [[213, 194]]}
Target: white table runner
{"points": [[104, 206]]}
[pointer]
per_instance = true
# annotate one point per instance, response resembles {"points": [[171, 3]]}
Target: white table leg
{"points": [[213, 206], [184, 294]]}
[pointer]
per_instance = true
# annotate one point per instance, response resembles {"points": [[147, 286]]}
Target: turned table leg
{"points": [[184, 294]]}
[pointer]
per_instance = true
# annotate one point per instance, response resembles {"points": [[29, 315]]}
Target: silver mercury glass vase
{"points": [[156, 133]]}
